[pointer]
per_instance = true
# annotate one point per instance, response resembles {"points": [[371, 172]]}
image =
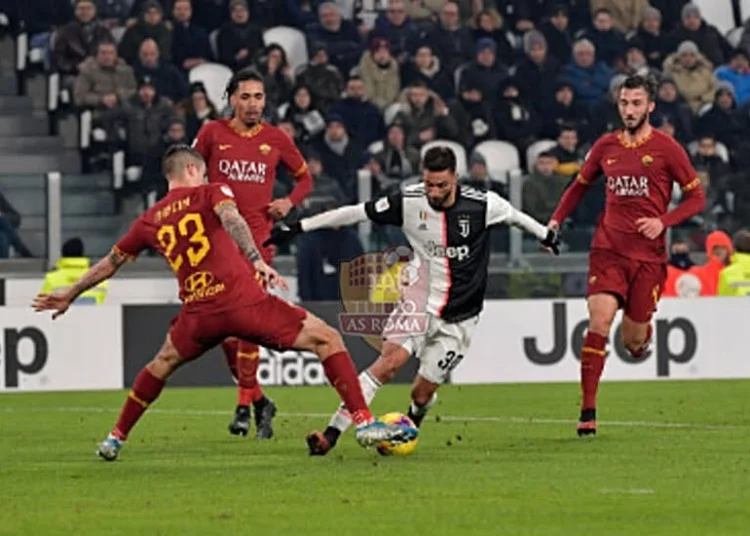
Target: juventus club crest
{"points": [[464, 226]]}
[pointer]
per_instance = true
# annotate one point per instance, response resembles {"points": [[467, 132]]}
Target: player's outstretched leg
{"points": [[146, 389], [328, 345], [240, 425], [382, 371], [602, 311]]}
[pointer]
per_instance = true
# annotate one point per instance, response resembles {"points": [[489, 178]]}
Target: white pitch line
{"points": [[635, 491], [448, 418]]}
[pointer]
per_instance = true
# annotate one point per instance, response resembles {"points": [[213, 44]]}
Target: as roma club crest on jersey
{"points": [[647, 160], [264, 149], [383, 294]]}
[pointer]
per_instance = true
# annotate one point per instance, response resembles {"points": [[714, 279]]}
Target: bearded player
{"points": [[244, 152], [628, 259], [197, 228]]}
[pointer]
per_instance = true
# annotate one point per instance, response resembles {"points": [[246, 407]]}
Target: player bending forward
{"points": [[197, 228], [448, 228], [628, 259], [244, 152]]}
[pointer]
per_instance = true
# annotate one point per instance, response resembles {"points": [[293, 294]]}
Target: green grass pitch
{"points": [[671, 458]]}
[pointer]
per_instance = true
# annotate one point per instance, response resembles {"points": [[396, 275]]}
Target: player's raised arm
{"points": [[126, 249], [693, 200], [574, 193], [501, 211]]}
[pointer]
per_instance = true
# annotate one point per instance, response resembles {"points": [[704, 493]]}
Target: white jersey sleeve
{"points": [[501, 211]]}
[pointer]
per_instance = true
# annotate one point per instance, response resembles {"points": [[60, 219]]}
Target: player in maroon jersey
{"points": [[197, 228], [244, 151], [628, 259]]}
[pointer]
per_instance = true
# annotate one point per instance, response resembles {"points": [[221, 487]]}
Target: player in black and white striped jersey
{"points": [[447, 225]]}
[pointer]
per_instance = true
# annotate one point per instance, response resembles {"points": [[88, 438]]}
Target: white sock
{"points": [[342, 419], [420, 411]]}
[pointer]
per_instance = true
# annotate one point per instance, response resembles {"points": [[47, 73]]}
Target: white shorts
{"points": [[440, 348]]}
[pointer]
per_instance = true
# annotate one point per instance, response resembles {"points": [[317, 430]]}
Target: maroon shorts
{"points": [[637, 285], [272, 322]]}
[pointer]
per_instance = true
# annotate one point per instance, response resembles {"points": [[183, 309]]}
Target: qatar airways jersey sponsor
{"points": [[243, 170], [628, 185]]}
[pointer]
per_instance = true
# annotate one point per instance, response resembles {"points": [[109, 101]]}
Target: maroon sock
{"points": [[341, 373], [146, 389], [248, 360], [592, 364]]}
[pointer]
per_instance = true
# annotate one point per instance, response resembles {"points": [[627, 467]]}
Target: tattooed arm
{"points": [[102, 270], [238, 229]]}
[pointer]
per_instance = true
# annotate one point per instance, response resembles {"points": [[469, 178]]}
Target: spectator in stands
{"points": [[340, 155], [711, 44], [609, 43], [474, 114], [321, 253], [719, 251], [671, 12], [198, 110], [558, 35], [304, 115], [343, 42], [543, 188], [589, 77], [537, 73], [519, 17], [104, 83], [516, 120], [485, 72], [606, 115], [680, 282], [361, 117], [425, 116], [655, 44], [274, 67], [239, 40], [427, 68], [692, 74], [636, 61], [450, 40], [672, 107], [150, 25], [479, 176], [737, 73], [68, 270], [380, 74], [489, 25], [725, 122], [565, 109], [395, 162], [190, 44], [739, 206], [79, 39], [568, 152], [147, 115], [113, 13], [168, 80], [301, 13], [137, 8], [424, 12], [10, 221], [324, 80], [626, 14], [395, 27], [707, 159], [734, 279], [41, 18]]}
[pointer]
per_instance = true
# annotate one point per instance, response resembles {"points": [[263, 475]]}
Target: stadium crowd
{"points": [[386, 77]]}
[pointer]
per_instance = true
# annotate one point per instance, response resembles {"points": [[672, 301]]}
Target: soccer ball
{"points": [[386, 448]]}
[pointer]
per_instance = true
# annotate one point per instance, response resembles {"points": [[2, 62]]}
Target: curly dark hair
{"points": [[439, 158]]}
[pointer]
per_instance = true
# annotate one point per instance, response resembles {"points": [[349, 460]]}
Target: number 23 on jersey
{"points": [[190, 228]]}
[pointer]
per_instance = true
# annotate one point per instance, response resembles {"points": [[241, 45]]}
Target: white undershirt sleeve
{"points": [[500, 211], [339, 217]]}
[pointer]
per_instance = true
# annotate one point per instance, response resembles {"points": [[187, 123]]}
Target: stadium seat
{"points": [[461, 166], [744, 10], [718, 13], [734, 35], [117, 33], [721, 150], [292, 41], [457, 76], [536, 148], [502, 158], [215, 77]]}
